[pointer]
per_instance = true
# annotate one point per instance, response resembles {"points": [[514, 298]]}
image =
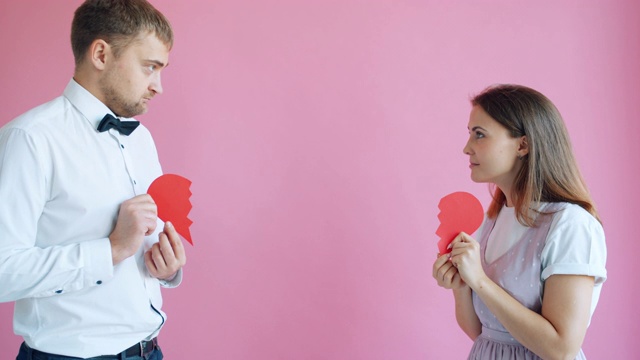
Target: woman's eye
{"points": [[479, 135]]}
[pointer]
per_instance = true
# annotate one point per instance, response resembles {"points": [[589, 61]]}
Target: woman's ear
{"points": [[523, 148]]}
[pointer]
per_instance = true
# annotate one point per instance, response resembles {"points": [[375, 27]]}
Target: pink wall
{"points": [[320, 136]]}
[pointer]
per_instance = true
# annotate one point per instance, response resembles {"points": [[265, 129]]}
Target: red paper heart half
{"points": [[459, 211], [171, 194]]}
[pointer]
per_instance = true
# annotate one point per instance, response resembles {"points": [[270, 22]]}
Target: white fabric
{"points": [[61, 185], [575, 245], [504, 235]]}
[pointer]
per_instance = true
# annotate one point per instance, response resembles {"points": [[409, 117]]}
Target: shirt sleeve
{"points": [[575, 245], [173, 282], [27, 270]]}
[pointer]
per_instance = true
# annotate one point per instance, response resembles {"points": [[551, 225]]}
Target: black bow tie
{"points": [[124, 127]]}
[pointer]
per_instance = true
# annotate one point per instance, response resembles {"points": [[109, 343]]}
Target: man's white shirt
{"points": [[61, 186]]}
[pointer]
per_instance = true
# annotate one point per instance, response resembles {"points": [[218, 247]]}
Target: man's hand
{"points": [[136, 219], [167, 256]]}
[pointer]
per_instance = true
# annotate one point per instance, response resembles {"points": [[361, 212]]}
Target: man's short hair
{"points": [[118, 22]]}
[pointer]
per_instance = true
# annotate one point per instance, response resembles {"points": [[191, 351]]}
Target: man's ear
{"points": [[523, 148], [99, 53]]}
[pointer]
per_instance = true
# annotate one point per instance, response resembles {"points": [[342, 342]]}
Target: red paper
{"points": [[459, 211], [171, 194]]}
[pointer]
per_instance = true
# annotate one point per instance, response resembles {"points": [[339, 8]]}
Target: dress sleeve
{"points": [[575, 245]]}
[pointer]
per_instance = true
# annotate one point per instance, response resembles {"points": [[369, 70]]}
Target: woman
{"points": [[527, 288]]}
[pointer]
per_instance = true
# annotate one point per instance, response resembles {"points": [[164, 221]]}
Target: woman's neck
{"points": [[507, 195]]}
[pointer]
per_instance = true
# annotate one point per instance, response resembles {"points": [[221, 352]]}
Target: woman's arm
{"points": [[466, 314], [558, 332], [449, 278]]}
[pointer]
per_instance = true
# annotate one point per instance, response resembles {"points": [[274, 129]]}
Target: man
{"points": [[82, 252]]}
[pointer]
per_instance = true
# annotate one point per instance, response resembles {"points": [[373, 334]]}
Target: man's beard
{"points": [[118, 104]]}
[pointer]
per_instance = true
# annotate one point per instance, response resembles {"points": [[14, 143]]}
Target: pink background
{"points": [[320, 136]]}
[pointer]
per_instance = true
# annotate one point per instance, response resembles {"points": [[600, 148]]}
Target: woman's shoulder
{"points": [[573, 218], [575, 243], [563, 211]]}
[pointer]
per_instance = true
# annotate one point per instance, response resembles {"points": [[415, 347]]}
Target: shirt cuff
{"points": [[98, 262], [597, 271], [174, 282]]}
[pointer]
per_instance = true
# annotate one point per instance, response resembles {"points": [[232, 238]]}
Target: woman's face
{"points": [[493, 152]]}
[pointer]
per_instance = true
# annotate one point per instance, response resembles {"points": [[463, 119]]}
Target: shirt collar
{"points": [[86, 103]]}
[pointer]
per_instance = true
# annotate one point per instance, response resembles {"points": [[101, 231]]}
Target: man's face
{"points": [[132, 79]]}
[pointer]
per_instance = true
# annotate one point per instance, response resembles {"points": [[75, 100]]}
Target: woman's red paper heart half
{"points": [[459, 211]]}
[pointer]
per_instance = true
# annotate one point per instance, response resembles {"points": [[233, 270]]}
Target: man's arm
{"points": [[27, 270]]}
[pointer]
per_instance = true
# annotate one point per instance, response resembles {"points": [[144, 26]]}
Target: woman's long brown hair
{"points": [[549, 172]]}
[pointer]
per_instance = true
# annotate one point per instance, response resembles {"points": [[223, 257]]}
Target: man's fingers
{"points": [[176, 244], [151, 266]]}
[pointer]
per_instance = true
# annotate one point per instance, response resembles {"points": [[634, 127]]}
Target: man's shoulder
{"points": [[40, 116]]}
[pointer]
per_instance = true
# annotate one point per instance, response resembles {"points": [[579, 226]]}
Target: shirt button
{"points": [[99, 282], [58, 291], [122, 146], [134, 182]]}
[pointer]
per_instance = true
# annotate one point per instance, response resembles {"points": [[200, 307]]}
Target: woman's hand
{"points": [[449, 278], [446, 274], [465, 257]]}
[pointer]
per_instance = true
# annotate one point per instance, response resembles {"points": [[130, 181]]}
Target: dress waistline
{"points": [[497, 335]]}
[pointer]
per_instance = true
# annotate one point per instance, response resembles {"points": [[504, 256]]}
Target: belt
{"points": [[142, 348], [139, 349]]}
